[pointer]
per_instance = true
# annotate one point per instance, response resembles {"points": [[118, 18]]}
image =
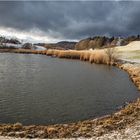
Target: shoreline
{"points": [[85, 129]]}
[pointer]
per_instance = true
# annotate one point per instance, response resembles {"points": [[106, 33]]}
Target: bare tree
{"points": [[112, 54], [1, 40]]}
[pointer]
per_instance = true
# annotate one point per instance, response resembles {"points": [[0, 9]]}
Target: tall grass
{"points": [[95, 56], [85, 55], [72, 54], [99, 57], [27, 51]]}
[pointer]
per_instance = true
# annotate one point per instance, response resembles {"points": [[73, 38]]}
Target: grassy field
{"points": [[130, 52]]}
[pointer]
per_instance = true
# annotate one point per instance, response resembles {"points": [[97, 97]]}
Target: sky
{"points": [[53, 21]]}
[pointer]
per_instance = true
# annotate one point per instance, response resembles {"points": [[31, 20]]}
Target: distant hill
{"points": [[59, 45], [66, 44], [33, 46], [102, 42]]}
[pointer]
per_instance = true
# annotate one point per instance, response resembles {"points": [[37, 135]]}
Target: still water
{"points": [[36, 89]]}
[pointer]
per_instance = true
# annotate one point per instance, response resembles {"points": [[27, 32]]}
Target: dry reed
{"points": [[98, 57], [95, 56]]}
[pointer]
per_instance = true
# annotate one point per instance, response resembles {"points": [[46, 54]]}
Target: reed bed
{"points": [[99, 57], [69, 54], [29, 51], [95, 56], [85, 55], [64, 53], [50, 52], [24, 51]]}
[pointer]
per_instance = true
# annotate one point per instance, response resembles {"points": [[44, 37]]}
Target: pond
{"points": [[37, 89]]}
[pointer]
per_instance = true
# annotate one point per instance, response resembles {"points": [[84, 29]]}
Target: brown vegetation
{"points": [[99, 57], [134, 73], [29, 51], [3, 50], [111, 54], [95, 56]]}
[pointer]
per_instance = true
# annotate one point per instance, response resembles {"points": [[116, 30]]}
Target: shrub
{"points": [[112, 55]]}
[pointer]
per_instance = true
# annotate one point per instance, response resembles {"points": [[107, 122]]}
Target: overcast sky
{"points": [[68, 20]]}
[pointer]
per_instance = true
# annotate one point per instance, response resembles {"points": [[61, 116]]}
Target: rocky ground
{"points": [[130, 133]]}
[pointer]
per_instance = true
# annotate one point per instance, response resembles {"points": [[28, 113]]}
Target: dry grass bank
{"points": [[134, 72]]}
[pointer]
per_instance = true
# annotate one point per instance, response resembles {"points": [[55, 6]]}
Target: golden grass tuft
{"points": [[136, 79], [72, 54], [98, 57], [85, 55], [49, 52], [26, 51], [17, 126]]}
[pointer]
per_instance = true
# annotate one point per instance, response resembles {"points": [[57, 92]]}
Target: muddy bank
{"points": [[118, 121], [6, 50]]}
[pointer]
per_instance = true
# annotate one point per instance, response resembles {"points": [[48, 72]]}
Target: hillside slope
{"points": [[96, 42], [103, 41], [61, 45]]}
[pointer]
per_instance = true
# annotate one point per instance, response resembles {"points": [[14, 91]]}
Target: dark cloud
{"points": [[72, 20]]}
